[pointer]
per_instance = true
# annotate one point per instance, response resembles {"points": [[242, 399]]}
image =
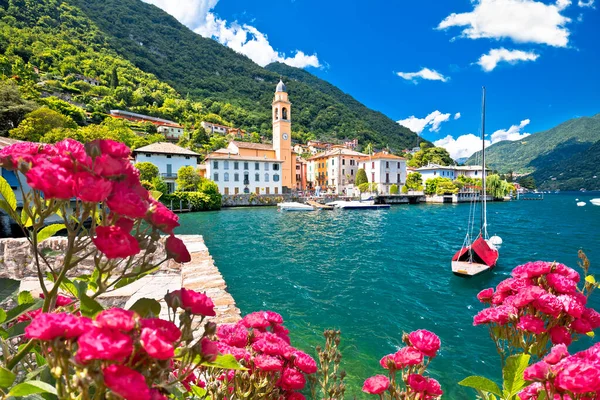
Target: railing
{"points": [[169, 175]]}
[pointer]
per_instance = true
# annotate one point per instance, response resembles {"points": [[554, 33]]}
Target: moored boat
{"points": [[294, 206], [360, 205], [595, 202]]}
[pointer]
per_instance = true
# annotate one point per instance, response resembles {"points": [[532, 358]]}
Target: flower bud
{"points": [[210, 329], [93, 149], [173, 299], [56, 372]]}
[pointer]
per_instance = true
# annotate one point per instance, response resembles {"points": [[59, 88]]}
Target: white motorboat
{"points": [[294, 206], [581, 203], [360, 205], [595, 202]]}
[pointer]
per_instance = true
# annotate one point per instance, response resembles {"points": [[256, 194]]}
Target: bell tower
{"points": [[282, 136]]}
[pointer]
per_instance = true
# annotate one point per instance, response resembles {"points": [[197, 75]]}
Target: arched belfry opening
{"points": [[284, 113], [276, 115]]}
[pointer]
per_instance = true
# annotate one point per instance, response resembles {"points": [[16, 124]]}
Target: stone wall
{"points": [[252, 199]]}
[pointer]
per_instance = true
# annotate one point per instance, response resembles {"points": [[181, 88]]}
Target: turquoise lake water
{"points": [[376, 274]]}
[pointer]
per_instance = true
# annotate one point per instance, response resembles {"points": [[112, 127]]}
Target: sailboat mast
{"points": [[484, 192]]}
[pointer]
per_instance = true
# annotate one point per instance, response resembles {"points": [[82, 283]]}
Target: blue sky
{"points": [[423, 62]]}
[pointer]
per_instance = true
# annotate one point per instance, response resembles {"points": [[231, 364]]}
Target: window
{"points": [[187, 157], [275, 167], [267, 191], [246, 178], [226, 177], [236, 165], [215, 164], [216, 177], [276, 178], [168, 156], [256, 166], [343, 161], [266, 166], [373, 164], [276, 190], [276, 113], [256, 177], [236, 177], [475, 172], [351, 172], [343, 172], [398, 164], [266, 177], [284, 113], [226, 191], [372, 177], [246, 166], [332, 162], [225, 164], [434, 173], [148, 155], [387, 177], [398, 179], [237, 190], [364, 165], [387, 164]]}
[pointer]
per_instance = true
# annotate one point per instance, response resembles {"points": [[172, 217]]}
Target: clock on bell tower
{"points": [[282, 135]]}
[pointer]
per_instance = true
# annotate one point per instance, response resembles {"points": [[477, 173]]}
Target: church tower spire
{"points": [[282, 135]]}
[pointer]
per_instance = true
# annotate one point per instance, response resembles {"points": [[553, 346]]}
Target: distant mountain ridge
{"points": [[199, 67], [557, 158]]}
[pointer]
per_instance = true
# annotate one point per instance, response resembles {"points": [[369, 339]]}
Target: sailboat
{"points": [[481, 254]]}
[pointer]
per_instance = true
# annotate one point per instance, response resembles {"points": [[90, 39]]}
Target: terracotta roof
{"points": [[384, 156], [336, 152], [221, 156], [254, 146], [165, 148]]}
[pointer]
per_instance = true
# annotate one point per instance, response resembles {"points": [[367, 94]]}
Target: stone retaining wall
{"points": [[252, 199]]}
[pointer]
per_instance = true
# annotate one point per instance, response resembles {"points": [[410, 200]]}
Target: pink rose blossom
{"points": [[376, 384], [531, 392], [238, 353], [92, 188], [127, 202], [125, 382], [49, 326], [434, 388], [197, 303], [486, 295], [537, 372], [103, 344], [257, 319], [268, 363], [304, 362], [388, 360], [556, 354], [54, 181], [417, 382], [531, 269], [560, 335], [210, 350], [407, 356], [114, 242], [166, 329], [233, 334], [567, 272], [548, 304], [579, 377], [426, 342], [592, 317], [163, 218], [292, 379], [271, 344], [155, 344], [112, 148], [581, 326], [532, 324], [22, 151], [177, 250], [561, 283], [116, 318], [572, 305]]}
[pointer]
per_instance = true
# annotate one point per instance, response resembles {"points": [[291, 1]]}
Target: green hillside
{"points": [[203, 69], [548, 153]]}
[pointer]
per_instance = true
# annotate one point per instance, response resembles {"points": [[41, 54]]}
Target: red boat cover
{"points": [[481, 253]]}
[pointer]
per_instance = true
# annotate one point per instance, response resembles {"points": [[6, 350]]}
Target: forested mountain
{"points": [[89, 36], [558, 158]]}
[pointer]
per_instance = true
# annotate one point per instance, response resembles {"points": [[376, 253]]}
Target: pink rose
{"points": [[163, 218], [561, 283], [273, 317], [155, 344], [592, 317], [572, 305], [233, 334], [116, 318], [114, 242], [268, 363], [115, 149], [304, 362], [548, 304], [155, 394], [292, 379], [376, 384], [238, 353], [11, 155], [560, 335], [557, 353], [90, 188], [271, 344], [257, 319], [103, 344], [531, 269], [579, 376], [73, 150], [532, 324], [486, 295], [581, 326], [177, 250], [197, 303], [570, 273], [295, 396], [49, 326], [426, 342], [531, 392], [528, 294], [407, 356], [282, 332], [388, 361], [537, 372], [210, 350], [126, 382], [417, 382], [434, 388], [54, 181], [166, 329], [127, 202]]}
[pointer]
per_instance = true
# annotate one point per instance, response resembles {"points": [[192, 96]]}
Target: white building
{"points": [[334, 169], [215, 128], [169, 158], [452, 172], [237, 174], [172, 132], [385, 170]]}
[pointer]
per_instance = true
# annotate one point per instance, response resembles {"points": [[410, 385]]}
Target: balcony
{"points": [[169, 175]]}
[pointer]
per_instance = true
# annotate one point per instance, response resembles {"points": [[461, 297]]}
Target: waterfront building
{"points": [[244, 174], [351, 144], [452, 172], [214, 128], [168, 157], [277, 162], [335, 169], [385, 170], [301, 174]]}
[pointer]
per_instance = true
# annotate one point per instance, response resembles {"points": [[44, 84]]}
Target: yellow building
{"points": [[280, 152]]}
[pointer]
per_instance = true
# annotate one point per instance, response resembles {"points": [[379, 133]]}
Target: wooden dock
{"points": [[319, 205]]}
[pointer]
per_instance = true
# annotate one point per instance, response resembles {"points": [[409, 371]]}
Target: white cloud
{"points": [[461, 147], [457, 116], [582, 3], [513, 133], [523, 21], [489, 61], [433, 120], [245, 39], [425, 73], [466, 145]]}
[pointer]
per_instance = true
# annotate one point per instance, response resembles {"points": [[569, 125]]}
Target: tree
{"points": [[414, 181], [188, 179], [394, 189], [148, 171], [527, 182], [114, 78], [13, 108], [160, 185], [39, 122], [255, 137], [361, 177], [367, 187], [428, 154], [61, 106]]}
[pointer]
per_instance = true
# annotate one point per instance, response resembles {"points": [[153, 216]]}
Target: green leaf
{"points": [[513, 374], [31, 387], [198, 391], [25, 297], [155, 194], [8, 194], [8, 287], [226, 361], [49, 231], [89, 307], [2, 315], [6, 377], [26, 220], [590, 279], [146, 307], [481, 383], [591, 334], [21, 309], [17, 329]]}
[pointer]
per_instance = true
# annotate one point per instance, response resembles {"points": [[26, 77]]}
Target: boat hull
{"points": [[294, 207], [465, 268]]}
